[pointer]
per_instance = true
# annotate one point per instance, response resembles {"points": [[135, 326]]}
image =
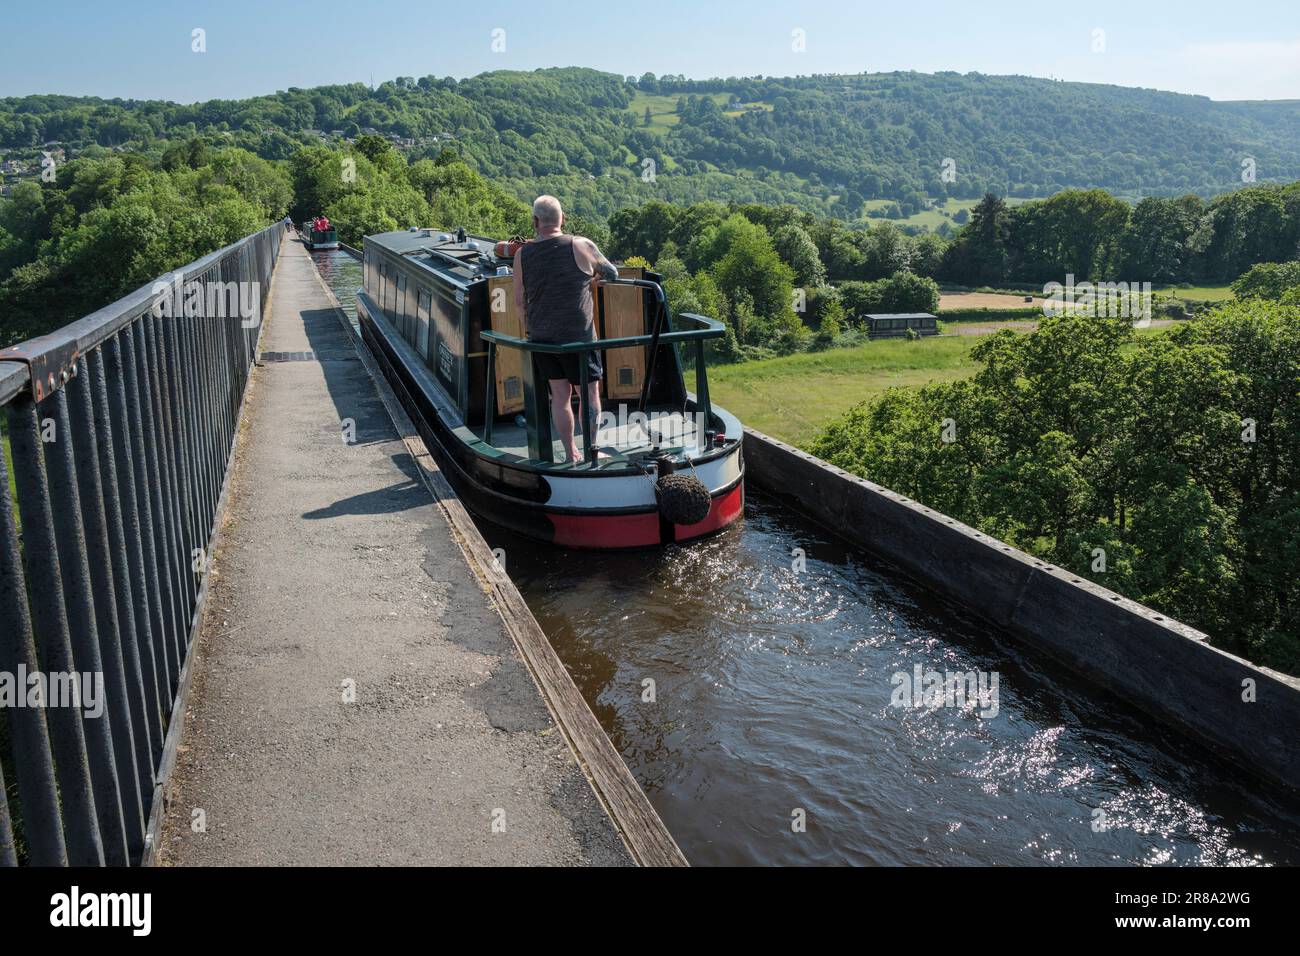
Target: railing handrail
{"points": [[539, 419], [712, 329], [14, 377], [64, 345]]}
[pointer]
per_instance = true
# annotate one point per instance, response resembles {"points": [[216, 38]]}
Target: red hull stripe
{"points": [[642, 530], [724, 510]]}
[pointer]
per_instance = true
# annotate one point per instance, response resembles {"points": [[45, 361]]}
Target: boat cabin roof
{"points": [[438, 251]]}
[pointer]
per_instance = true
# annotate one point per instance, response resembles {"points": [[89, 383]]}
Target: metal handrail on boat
{"points": [[539, 424]]}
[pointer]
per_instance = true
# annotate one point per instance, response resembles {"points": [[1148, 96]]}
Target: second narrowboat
{"points": [[318, 233]]}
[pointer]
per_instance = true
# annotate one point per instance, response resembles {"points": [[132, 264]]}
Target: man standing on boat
{"points": [[552, 289]]}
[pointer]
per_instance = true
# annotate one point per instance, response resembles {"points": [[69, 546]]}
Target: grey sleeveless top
{"points": [[557, 294]]}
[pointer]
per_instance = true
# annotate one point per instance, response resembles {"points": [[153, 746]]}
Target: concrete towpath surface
{"points": [[356, 698]]}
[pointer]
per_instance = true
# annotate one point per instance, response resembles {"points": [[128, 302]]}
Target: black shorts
{"points": [[552, 367]]}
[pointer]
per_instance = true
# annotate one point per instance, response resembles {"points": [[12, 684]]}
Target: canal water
{"points": [[342, 273], [754, 684]]}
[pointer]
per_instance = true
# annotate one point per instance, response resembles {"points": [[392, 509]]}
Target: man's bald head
{"points": [[547, 211]]}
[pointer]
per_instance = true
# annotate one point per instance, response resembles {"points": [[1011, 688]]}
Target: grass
{"points": [[793, 397], [663, 109], [748, 107], [1199, 293], [931, 218], [9, 462]]}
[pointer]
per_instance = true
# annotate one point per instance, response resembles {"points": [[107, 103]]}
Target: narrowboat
{"points": [[319, 234], [661, 464]]}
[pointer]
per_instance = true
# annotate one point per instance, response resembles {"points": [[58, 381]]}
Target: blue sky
{"points": [[131, 48]]}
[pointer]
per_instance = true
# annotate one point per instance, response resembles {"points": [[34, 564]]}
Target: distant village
{"points": [[19, 164]]}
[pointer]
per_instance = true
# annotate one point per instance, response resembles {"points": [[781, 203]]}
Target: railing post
{"points": [[702, 403], [187, 351], [134, 533], [489, 399], [83, 628], [661, 314], [67, 740], [38, 795], [8, 852], [584, 405], [142, 728], [88, 451], [537, 412]]}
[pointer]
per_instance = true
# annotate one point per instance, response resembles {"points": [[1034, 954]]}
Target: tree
{"points": [[1077, 231], [372, 147], [799, 252], [885, 251], [1077, 437], [642, 231], [1161, 239], [823, 313], [746, 267], [903, 292], [111, 224], [1248, 226], [1267, 280], [978, 256]]}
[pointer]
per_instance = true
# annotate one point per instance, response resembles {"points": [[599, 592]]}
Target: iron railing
{"points": [[537, 413], [121, 427]]}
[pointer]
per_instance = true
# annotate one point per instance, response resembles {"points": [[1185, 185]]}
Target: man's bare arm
{"points": [[601, 267]]}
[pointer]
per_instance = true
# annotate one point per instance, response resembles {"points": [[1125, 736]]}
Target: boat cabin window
{"points": [[401, 318], [422, 322], [390, 294]]}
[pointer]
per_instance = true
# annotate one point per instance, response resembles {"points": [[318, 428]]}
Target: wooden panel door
{"points": [[509, 363], [623, 315]]}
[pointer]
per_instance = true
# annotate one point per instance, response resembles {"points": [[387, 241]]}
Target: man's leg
{"points": [[562, 415]]}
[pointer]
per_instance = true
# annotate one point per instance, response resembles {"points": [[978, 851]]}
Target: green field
{"points": [[663, 109], [1200, 293], [931, 218], [794, 396], [747, 107]]}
